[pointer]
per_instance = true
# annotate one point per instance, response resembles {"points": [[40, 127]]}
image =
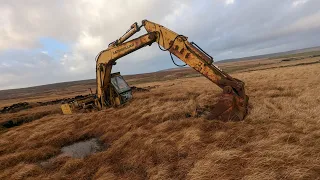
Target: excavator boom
{"points": [[233, 103]]}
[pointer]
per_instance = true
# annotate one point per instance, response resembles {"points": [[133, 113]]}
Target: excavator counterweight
{"points": [[233, 103]]}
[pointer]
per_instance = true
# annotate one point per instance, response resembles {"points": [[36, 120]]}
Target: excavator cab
{"points": [[120, 91]]}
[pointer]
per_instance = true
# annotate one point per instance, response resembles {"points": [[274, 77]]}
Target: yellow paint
{"points": [[170, 41], [117, 101], [66, 109]]}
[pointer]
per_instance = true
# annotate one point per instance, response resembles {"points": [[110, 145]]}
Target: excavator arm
{"points": [[233, 103], [106, 59]]}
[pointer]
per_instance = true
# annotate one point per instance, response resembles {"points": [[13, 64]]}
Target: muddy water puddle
{"points": [[82, 149]]}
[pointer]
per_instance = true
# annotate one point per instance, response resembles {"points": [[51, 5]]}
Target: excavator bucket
{"points": [[230, 107]]}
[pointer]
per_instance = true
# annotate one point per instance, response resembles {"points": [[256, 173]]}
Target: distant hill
{"points": [[174, 72], [78, 86], [43, 89], [274, 55], [299, 52]]}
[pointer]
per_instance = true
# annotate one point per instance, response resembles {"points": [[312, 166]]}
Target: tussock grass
{"points": [[152, 138]]}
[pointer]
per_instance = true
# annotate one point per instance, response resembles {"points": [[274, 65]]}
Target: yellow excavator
{"points": [[112, 90]]}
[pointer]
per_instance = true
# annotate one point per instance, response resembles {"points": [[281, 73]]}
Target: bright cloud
{"points": [[299, 2], [62, 38], [229, 2]]}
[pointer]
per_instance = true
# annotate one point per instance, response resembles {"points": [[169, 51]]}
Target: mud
{"points": [[15, 107], [25, 105], [143, 89], [64, 100], [25, 119], [138, 89]]}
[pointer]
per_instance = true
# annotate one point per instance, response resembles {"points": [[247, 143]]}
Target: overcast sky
{"points": [[52, 41]]}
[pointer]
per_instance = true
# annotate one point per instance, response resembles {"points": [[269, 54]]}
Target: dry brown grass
{"points": [[153, 138]]}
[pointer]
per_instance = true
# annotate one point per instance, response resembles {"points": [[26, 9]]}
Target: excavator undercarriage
{"points": [[112, 90]]}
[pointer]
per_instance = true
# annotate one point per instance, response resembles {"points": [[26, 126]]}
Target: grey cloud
{"points": [[243, 28]]}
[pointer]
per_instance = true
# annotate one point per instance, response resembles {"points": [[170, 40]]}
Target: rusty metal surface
{"points": [[229, 108]]}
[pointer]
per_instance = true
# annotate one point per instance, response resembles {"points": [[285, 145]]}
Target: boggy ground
{"points": [[153, 136]]}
